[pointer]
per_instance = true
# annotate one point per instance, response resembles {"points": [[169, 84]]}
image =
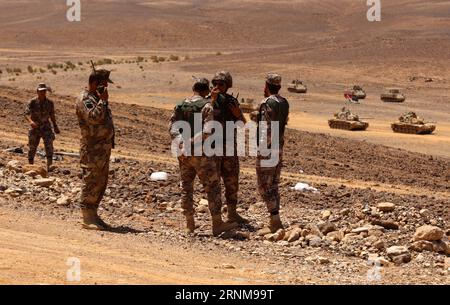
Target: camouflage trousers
{"points": [[34, 137], [95, 166], [229, 171], [268, 184], [206, 170]]}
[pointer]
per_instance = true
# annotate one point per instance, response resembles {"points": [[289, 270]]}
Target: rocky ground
{"points": [[378, 210]]}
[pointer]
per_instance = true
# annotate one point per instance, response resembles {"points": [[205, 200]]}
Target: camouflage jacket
{"points": [[95, 120], [41, 113], [272, 109]]}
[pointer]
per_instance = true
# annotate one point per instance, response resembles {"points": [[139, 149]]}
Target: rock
{"points": [[352, 237], [335, 236], [376, 260], [44, 182], [386, 206], [399, 254], [228, 266], [202, 209], [203, 202], [422, 245], [441, 246], [279, 235], [31, 174], [425, 213], [52, 199], [14, 165], [379, 245], [294, 235], [264, 231], [323, 260], [360, 230], [314, 241], [314, 230], [14, 191], [63, 201], [429, 233], [35, 168], [387, 224], [15, 150], [326, 214], [327, 227]]}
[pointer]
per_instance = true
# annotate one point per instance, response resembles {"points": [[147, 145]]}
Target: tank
{"points": [[297, 86], [248, 105], [358, 92], [412, 124], [347, 120], [393, 95]]}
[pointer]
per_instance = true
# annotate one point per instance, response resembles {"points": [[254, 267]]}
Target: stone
{"points": [[203, 202], [327, 227], [294, 236], [14, 165], [14, 191], [36, 168], [314, 241], [441, 246], [387, 224], [379, 245], [228, 266], [422, 245], [399, 254], [335, 236], [386, 206], [44, 182], [360, 230], [63, 201], [31, 174], [279, 235], [425, 213], [202, 209], [322, 260], [429, 233], [326, 214]]}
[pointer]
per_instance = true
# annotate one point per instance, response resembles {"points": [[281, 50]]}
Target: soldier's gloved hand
{"points": [[57, 131], [104, 96]]}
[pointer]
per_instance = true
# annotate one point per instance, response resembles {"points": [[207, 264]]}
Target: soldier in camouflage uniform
{"points": [[97, 141], [202, 166], [274, 108], [39, 112], [226, 108]]}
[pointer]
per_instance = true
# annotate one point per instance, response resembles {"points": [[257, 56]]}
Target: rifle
{"points": [[100, 88]]}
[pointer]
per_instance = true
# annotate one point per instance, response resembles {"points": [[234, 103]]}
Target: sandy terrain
{"points": [[328, 44]]}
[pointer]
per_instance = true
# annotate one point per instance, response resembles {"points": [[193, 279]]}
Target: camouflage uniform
{"points": [[228, 166], [271, 110], [40, 113], [97, 141], [191, 166]]}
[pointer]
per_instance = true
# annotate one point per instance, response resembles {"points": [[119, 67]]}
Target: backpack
{"points": [[281, 107], [185, 111]]}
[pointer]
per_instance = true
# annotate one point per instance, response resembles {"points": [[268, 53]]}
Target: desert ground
{"points": [[154, 48]]}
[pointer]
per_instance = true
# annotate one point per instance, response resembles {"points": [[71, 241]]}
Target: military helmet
{"points": [[225, 77], [101, 75]]}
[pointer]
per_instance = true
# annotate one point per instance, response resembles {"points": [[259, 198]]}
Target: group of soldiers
{"points": [[212, 104]]}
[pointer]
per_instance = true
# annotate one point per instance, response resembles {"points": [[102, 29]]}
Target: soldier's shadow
{"points": [[124, 230]]}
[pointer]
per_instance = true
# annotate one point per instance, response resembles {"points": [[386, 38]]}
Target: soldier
{"points": [[226, 108], [203, 166], [274, 108], [39, 112], [97, 141]]}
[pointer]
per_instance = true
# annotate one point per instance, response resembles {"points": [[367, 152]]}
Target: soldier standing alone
{"points": [[39, 112], [97, 141], [202, 166], [274, 108]]}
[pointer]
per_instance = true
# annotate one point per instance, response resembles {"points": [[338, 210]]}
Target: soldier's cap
{"points": [[223, 76], [43, 87], [273, 79], [101, 75]]}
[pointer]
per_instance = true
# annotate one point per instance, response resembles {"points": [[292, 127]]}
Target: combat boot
{"points": [[233, 216], [218, 226], [91, 221], [49, 164], [274, 225], [190, 224]]}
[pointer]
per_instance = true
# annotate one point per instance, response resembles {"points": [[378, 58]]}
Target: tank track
{"points": [[348, 125], [413, 129]]}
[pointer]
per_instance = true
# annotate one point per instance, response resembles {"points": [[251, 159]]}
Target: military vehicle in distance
{"points": [[248, 105], [347, 120], [393, 95], [412, 124], [297, 86], [358, 92]]}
